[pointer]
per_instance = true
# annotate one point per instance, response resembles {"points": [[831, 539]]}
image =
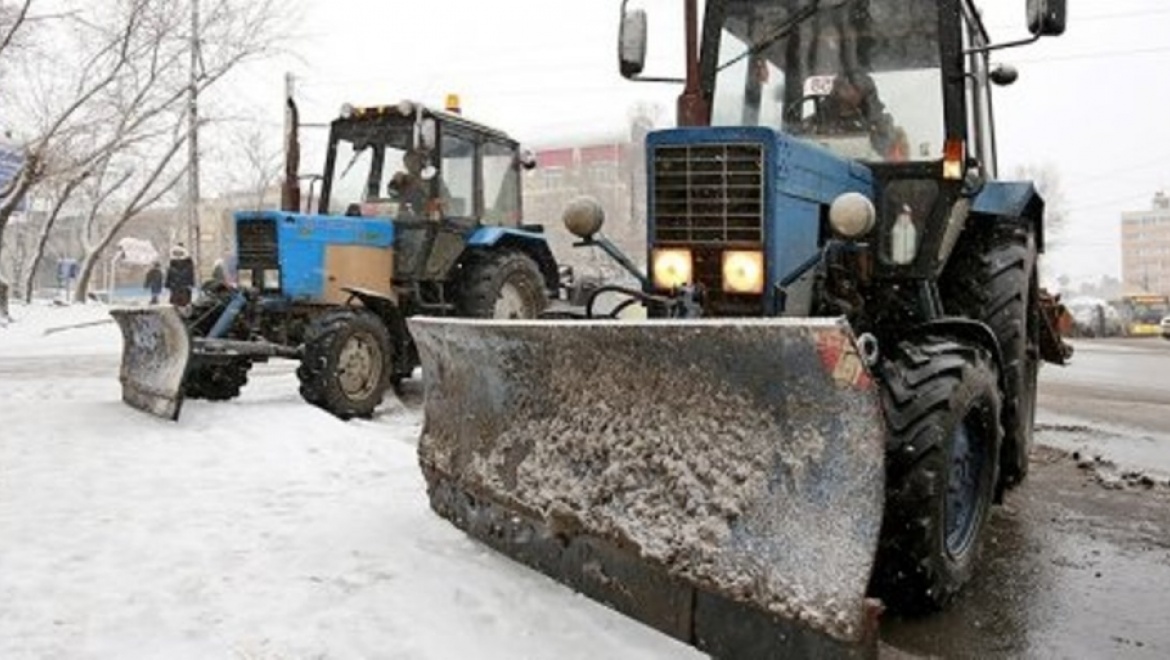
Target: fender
{"points": [[405, 357], [963, 328], [1012, 199], [532, 243]]}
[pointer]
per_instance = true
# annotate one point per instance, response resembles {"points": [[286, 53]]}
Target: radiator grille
{"points": [[258, 246], [709, 193]]}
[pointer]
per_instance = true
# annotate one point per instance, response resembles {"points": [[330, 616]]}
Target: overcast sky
{"points": [[1092, 105]]}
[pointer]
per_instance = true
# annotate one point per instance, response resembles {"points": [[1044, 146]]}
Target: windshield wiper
{"points": [[782, 30], [352, 161]]}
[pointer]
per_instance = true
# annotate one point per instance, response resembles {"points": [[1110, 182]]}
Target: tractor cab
{"points": [[409, 162], [438, 177]]}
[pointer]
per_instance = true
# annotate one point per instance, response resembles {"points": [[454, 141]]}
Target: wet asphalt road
{"points": [[1072, 568]]}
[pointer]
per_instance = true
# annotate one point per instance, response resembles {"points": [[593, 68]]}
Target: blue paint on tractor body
{"points": [[302, 240], [491, 236], [800, 181]]}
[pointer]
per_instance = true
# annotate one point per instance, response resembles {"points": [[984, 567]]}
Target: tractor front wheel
{"points": [[345, 369], [502, 285], [942, 408]]}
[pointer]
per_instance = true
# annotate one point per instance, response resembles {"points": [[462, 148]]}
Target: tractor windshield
{"points": [[861, 78], [367, 154]]}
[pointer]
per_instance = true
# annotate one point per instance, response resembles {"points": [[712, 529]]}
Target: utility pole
{"points": [[193, 143]]}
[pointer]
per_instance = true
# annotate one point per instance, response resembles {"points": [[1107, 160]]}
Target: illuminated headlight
{"points": [[852, 214], [671, 268], [244, 279], [271, 279], [743, 271]]}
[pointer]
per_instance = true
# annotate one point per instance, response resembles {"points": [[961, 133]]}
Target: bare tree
{"points": [[58, 194], [119, 197], [120, 129], [258, 166], [13, 16]]}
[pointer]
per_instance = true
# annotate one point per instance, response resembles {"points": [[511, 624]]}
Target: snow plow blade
{"points": [[719, 480], [155, 352]]}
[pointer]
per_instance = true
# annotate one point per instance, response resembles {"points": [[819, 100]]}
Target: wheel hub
{"points": [[962, 499], [359, 367], [510, 303]]}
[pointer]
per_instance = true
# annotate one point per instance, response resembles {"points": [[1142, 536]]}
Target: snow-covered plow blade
{"points": [[719, 480], [155, 351]]}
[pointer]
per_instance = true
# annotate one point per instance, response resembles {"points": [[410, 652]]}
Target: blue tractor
{"points": [[838, 377], [418, 212]]}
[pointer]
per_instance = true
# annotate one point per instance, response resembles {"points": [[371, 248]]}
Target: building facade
{"points": [[1145, 248], [611, 170]]}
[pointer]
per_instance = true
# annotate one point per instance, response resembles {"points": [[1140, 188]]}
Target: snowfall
{"points": [[257, 528]]}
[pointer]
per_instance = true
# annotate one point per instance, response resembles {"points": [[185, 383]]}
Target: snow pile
{"points": [[260, 527]]}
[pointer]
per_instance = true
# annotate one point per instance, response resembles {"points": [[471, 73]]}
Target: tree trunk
{"points": [[3, 302]]}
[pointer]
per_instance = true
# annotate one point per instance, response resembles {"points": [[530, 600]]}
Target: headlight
{"points": [[743, 271], [671, 268], [271, 279], [852, 214], [244, 279]]}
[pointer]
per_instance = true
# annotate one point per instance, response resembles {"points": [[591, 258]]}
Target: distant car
{"points": [[1166, 327], [1093, 317]]}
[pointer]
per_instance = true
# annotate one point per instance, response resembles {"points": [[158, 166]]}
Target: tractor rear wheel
{"points": [[216, 382], [942, 406], [993, 279], [345, 369], [502, 285]]}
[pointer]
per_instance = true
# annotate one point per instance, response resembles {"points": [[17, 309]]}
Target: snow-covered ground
{"points": [[257, 528]]}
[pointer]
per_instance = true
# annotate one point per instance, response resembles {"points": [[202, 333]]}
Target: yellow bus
{"points": [[1143, 312]]}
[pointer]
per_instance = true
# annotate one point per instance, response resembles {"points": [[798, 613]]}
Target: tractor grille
{"points": [[709, 193], [258, 248]]}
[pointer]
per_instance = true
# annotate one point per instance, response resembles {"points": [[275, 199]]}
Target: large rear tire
{"points": [[502, 285], [346, 367], [942, 407], [216, 382], [993, 279]]}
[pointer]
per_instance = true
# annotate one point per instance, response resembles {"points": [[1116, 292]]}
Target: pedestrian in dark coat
{"points": [[180, 276], [154, 282]]}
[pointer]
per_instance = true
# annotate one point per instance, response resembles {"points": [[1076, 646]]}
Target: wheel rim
{"points": [[359, 367], [510, 303], [963, 486]]}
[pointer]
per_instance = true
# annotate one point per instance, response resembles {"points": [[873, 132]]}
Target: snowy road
{"points": [[259, 528], [265, 528]]}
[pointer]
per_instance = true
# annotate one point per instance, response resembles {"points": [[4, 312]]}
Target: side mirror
{"points": [[632, 42], [1004, 74], [1046, 18], [526, 159]]}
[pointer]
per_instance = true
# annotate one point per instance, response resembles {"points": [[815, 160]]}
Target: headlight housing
{"points": [[852, 214], [672, 267], [743, 271]]}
